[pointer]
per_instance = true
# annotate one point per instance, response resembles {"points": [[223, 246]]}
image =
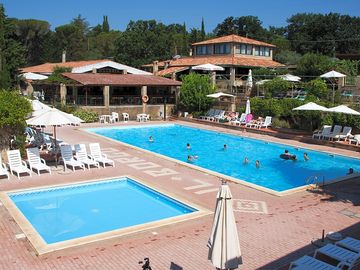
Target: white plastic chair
{"points": [[95, 154], [355, 140], [16, 164], [68, 159], [240, 120], [125, 117], [102, 119], [82, 156], [3, 169], [115, 116], [35, 162]]}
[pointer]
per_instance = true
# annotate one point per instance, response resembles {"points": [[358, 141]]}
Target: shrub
{"points": [[87, 116], [278, 123]]}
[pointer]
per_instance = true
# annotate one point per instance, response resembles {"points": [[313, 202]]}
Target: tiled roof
{"points": [[120, 79], [49, 67], [170, 70], [234, 38], [226, 60]]}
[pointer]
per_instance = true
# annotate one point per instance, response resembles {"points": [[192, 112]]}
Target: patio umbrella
{"points": [[53, 117], [332, 75], [311, 106], [208, 67], [290, 78], [247, 108], [219, 94], [224, 247], [343, 109], [38, 107], [33, 76]]}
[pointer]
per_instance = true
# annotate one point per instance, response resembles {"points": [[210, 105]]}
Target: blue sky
{"points": [[273, 12]]}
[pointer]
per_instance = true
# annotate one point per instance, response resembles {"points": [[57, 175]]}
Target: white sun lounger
{"points": [[240, 120], [308, 262], [350, 244], [16, 164], [332, 135], [95, 154], [3, 169], [345, 134], [82, 156], [343, 256], [35, 162], [68, 159], [324, 131], [264, 124]]}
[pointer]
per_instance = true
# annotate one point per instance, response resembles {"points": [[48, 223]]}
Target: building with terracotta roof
{"points": [[103, 86], [236, 54]]}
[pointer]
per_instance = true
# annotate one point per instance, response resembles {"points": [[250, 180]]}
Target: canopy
{"points": [[333, 74], [52, 117], [208, 67], [33, 76], [343, 109], [220, 94], [290, 78], [223, 243], [311, 106], [262, 82], [249, 82], [247, 108]]}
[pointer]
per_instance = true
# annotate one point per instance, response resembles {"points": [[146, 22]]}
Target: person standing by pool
{"points": [[306, 157], [151, 139], [257, 164], [188, 147]]}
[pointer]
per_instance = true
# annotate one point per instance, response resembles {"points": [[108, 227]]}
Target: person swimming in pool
{"points": [[351, 171], [246, 161], [151, 139], [287, 155], [225, 147], [257, 164], [306, 157], [191, 158], [188, 147]]}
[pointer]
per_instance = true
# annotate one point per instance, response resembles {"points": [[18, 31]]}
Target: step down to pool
{"points": [[20, 236]]}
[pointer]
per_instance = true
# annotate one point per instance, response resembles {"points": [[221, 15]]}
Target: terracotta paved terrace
{"points": [[273, 230]]}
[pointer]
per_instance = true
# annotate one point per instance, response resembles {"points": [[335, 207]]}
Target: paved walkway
{"points": [[272, 230]]}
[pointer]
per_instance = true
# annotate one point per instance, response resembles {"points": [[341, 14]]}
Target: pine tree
{"points": [[202, 34], [105, 25]]}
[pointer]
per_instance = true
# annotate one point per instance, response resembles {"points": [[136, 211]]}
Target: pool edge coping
{"points": [[217, 174], [42, 248]]}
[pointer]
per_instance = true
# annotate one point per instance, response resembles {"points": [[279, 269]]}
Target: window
{"points": [[243, 49], [262, 51], [222, 48], [202, 50]]}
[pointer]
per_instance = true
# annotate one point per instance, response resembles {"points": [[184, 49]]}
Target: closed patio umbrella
{"points": [[247, 108], [224, 247]]}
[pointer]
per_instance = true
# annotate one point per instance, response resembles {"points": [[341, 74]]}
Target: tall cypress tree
{"points": [[184, 40], [105, 25], [202, 33]]}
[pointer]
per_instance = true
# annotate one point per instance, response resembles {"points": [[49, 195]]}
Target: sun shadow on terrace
{"points": [[344, 191], [284, 262]]}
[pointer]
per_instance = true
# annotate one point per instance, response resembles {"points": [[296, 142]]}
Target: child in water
{"points": [[246, 160], [306, 157], [151, 139], [257, 164], [188, 147]]}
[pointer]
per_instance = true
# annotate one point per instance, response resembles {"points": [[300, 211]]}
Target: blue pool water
{"points": [[74, 211], [274, 173]]}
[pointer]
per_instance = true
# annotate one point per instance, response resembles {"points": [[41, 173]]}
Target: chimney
{"points": [[155, 67], [167, 63], [94, 71], [190, 52], [63, 58]]}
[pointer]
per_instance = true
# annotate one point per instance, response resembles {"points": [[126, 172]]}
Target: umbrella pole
{"points": [[55, 147], [333, 97]]}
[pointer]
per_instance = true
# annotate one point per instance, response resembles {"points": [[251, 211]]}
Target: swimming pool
{"points": [[274, 173], [74, 211]]}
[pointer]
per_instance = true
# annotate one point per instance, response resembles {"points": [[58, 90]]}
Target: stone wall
{"points": [[133, 110]]}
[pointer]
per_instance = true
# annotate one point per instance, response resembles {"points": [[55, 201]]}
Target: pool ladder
{"points": [[314, 181]]}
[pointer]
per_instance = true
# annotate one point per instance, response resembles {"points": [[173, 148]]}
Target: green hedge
{"points": [[87, 116]]}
